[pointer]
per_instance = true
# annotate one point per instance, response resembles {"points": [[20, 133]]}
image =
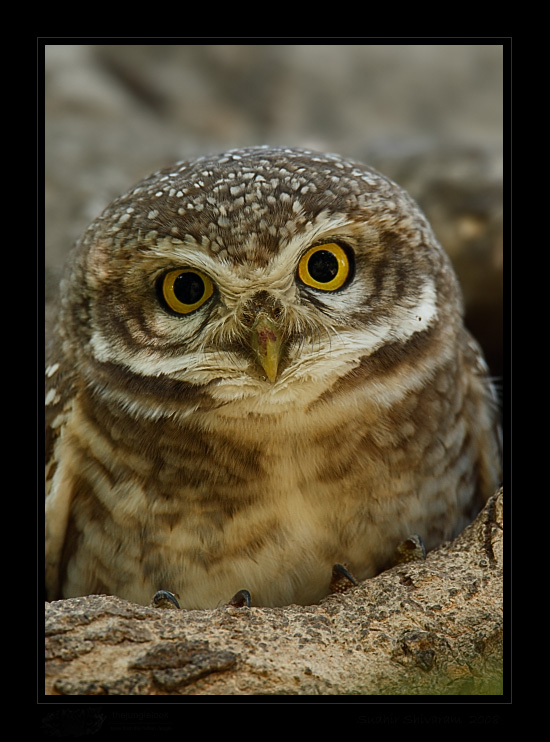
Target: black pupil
{"points": [[323, 266], [189, 288]]}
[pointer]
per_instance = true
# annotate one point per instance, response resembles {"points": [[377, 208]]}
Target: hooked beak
{"points": [[267, 342]]}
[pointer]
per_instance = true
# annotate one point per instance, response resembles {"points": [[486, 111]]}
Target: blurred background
{"points": [[430, 116]]}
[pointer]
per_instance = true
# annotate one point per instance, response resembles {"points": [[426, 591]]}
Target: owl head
{"points": [[255, 273]]}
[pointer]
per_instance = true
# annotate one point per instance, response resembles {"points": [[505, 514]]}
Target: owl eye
{"points": [[326, 267], [184, 290]]}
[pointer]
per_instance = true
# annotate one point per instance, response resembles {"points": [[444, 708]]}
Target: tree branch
{"points": [[422, 628]]}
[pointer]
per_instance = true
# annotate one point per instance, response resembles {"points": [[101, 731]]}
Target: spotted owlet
{"points": [[259, 370]]}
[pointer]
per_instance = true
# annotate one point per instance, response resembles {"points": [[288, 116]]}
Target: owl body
{"points": [[259, 370]]}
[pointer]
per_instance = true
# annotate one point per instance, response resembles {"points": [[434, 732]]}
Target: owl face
{"points": [[243, 273]]}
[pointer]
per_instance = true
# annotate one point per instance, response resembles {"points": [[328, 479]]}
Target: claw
{"points": [[341, 578], [165, 599], [410, 550], [240, 599]]}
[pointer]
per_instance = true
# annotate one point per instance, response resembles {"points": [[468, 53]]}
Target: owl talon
{"points": [[410, 550], [341, 579], [241, 599], [165, 599]]}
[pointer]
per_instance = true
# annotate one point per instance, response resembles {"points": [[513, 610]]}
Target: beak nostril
{"points": [[260, 315], [262, 302]]}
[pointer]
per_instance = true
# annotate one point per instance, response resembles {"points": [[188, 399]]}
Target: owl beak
{"points": [[267, 341]]}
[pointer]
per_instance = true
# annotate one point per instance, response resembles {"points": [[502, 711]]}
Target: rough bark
{"points": [[433, 627]]}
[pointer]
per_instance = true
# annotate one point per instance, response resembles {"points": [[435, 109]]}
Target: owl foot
{"points": [[164, 599], [341, 579], [241, 599], [410, 550], [167, 600]]}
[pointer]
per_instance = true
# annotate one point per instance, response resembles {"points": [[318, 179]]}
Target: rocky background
{"points": [[429, 116]]}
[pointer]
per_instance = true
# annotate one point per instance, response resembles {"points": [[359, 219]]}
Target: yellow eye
{"points": [[324, 267], [185, 290]]}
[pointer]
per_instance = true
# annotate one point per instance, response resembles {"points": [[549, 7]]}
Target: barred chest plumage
{"points": [[273, 503], [259, 370]]}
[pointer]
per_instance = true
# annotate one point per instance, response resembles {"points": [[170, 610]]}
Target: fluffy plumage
{"points": [[307, 411]]}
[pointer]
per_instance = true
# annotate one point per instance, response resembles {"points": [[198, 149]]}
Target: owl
{"points": [[259, 370]]}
